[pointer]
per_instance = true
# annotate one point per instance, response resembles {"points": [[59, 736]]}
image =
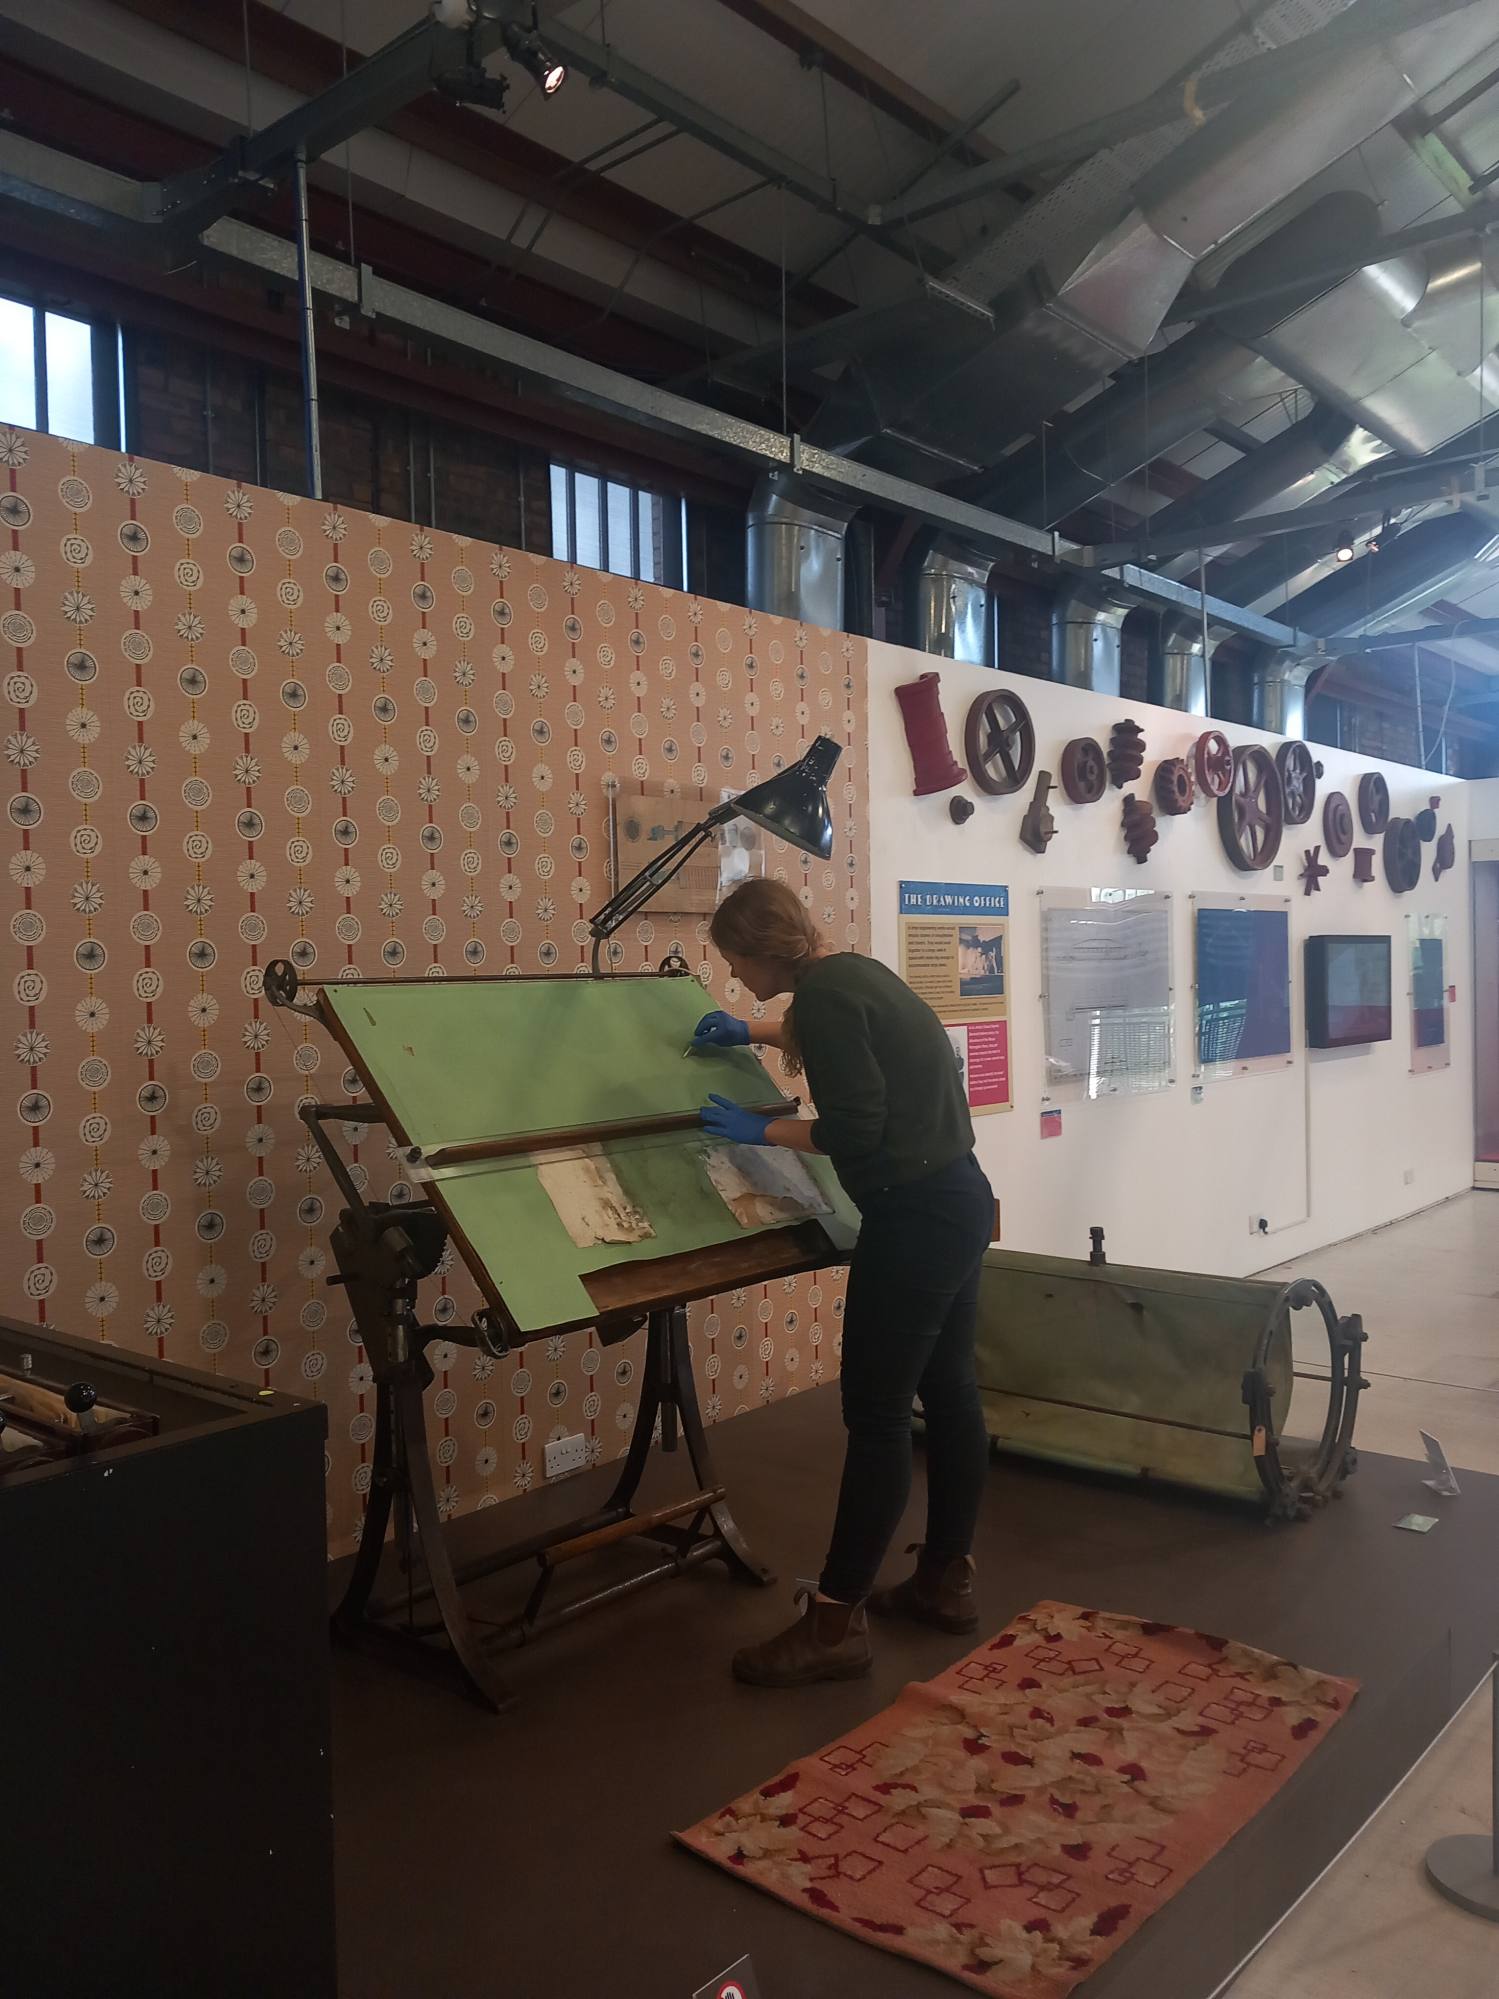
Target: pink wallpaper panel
{"points": [[241, 725]]}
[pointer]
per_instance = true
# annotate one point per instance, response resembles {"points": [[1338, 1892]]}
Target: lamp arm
{"points": [[639, 889]]}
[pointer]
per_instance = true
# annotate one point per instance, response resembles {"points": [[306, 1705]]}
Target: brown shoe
{"points": [[939, 1594], [829, 1641]]}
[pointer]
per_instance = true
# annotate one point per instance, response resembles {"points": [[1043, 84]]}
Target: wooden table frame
{"points": [[382, 1251]]}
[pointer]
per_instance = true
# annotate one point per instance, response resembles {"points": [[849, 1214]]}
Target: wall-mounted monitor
{"points": [[1347, 991]]}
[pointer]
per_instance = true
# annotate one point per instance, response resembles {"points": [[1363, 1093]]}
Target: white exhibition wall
{"points": [[1336, 1143]]}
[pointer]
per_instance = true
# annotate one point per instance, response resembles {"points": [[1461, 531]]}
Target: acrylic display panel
{"points": [[1431, 1047], [1242, 948], [1108, 1002], [456, 1060]]}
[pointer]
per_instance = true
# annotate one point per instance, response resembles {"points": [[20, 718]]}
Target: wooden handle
{"points": [[471, 1149]]}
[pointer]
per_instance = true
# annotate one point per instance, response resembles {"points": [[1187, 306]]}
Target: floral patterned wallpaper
{"points": [[240, 725]]}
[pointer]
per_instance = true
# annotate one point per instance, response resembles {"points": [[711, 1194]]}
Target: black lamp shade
{"points": [[794, 803]]}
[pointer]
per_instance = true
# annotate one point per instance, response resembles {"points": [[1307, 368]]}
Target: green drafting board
{"points": [[453, 1061]]}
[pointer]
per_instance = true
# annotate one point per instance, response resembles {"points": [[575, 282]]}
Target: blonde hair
{"points": [[766, 919]]}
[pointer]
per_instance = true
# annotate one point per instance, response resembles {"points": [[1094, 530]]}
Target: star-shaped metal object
{"points": [[1315, 872]]}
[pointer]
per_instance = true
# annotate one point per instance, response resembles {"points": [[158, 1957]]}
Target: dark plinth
{"points": [[167, 1780], [529, 1855]]}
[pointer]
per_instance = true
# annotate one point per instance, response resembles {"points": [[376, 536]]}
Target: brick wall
{"points": [[224, 415]]}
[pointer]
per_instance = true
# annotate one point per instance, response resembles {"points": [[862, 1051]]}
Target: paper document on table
{"points": [[591, 1204], [1445, 1481], [764, 1186]]}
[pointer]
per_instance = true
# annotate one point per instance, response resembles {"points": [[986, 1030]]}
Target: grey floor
{"points": [[1373, 1929]]}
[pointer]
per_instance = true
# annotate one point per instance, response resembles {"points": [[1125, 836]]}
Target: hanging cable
{"points": [[249, 101], [1420, 717], [786, 424], [1446, 711], [343, 36]]}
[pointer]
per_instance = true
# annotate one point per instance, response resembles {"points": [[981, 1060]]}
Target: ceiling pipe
{"points": [[1087, 637], [1277, 691], [1313, 56], [947, 601], [1179, 666], [1270, 472]]}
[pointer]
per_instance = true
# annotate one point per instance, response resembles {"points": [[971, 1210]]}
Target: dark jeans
{"points": [[908, 1329]]}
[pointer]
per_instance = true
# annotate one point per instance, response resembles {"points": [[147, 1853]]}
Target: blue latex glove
{"points": [[721, 1119], [719, 1030]]}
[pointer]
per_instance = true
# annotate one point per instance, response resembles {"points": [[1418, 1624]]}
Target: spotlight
{"points": [[525, 48], [1345, 551]]}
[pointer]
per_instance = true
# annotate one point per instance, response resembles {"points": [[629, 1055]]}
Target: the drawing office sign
{"points": [[953, 899], [954, 952]]}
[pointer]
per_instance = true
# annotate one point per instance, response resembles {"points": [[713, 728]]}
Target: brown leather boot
{"points": [[938, 1593], [829, 1641]]}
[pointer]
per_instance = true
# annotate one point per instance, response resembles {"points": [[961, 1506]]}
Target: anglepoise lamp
{"points": [[793, 805]]}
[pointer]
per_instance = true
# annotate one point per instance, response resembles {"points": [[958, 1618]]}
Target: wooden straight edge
{"points": [[632, 1524], [466, 1151]]}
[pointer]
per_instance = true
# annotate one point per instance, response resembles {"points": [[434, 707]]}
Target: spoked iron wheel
{"points": [[1252, 815]]}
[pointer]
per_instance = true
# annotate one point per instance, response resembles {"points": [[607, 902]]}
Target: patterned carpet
{"points": [[1017, 1819]]}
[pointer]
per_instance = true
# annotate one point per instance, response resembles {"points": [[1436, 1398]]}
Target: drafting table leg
{"points": [[668, 1389], [737, 1554], [461, 1635], [350, 1612]]}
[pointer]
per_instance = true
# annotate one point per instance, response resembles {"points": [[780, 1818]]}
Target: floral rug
{"points": [[1015, 1820]]}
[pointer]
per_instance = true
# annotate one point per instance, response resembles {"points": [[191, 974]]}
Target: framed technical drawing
{"points": [[1108, 1000]]}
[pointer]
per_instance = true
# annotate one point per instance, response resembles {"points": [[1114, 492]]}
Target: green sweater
{"points": [[881, 1071]]}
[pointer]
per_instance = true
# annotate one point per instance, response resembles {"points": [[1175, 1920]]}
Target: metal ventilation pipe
{"points": [[794, 551], [1086, 637], [1179, 667], [947, 603], [1277, 683], [1284, 470], [1408, 571]]}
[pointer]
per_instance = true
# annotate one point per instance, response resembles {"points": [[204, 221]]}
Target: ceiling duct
{"points": [[1277, 684], [794, 551], [1282, 472], [1179, 666], [1087, 636], [1082, 280], [947, 603], [1412, 569]]}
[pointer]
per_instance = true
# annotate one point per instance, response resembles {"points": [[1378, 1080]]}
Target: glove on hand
{"points": [[721, 1119], [719, 1030]]}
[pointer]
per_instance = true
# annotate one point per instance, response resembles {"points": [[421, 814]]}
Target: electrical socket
{"points": [[567, 1454], [1258, 1224]]}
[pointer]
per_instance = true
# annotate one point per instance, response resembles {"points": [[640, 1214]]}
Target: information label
{"points": [[954, 952]]}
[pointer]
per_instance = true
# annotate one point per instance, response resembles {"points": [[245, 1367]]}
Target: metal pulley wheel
{"points": [[1252, 815], [1213, 761], [1085, 771], [1000, 740], [1298, 781], [1337, 825], [1402, 855], [1373, 802]]}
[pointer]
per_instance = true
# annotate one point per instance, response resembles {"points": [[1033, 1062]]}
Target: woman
{"points": [[892, 1118]]}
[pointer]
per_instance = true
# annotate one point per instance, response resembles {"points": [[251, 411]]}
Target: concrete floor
{"points": [[1373, 1928]]}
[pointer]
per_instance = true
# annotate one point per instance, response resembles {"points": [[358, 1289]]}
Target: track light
{"points": [[1345, 551], [525, 48]]}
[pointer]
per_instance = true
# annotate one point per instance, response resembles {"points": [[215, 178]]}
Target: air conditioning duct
{"points": [[1277, 683], [1087, 637], [794, 555], [1283, 472], [1179, 665], [1408, 571], [947, 602]]}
